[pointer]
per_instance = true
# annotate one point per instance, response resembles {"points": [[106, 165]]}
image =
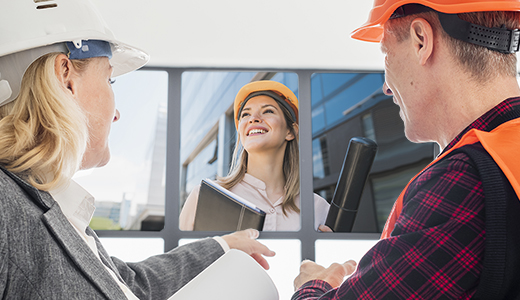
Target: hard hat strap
{"points": [[89, 48], [501, 39], [409, 9]]}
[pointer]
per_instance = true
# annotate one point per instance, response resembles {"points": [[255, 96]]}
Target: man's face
{"points": [[402, 81]]}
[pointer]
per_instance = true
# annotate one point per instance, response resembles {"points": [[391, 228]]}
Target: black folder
{"points": [[221, 210]]}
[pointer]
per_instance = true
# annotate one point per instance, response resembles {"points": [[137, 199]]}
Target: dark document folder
{"points": [[221, 210]]}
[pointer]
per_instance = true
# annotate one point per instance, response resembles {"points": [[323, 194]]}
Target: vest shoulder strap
{"points": [[494, 263]]}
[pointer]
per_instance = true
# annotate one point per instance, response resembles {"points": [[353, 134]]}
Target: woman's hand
{"points": [[324, 228], [245, 240]]}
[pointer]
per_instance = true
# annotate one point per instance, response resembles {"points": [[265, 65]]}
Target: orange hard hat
{"points": [[278, 91], [372, 30]]}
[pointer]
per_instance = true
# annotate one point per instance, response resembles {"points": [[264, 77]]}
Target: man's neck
{"points": [[465, 100]]}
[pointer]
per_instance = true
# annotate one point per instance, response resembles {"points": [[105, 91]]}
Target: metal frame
{"points": [[171, 233]]}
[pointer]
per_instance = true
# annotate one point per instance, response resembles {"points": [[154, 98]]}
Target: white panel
{"points": [[133, 249], [339, 251], [284, 266], [252, 34]]}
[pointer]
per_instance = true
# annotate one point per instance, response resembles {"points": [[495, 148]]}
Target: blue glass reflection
{"points": [[363, 87], [201, 168], [317, 160], [318, 119], [335, 94]]}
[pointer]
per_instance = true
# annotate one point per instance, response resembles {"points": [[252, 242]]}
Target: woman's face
{"points": [[93, 91], [262, 126]]}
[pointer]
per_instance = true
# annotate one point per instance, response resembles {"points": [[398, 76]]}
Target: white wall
{"points": [[242, 33]]}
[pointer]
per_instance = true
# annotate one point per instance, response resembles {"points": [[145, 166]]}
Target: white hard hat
{"points": [[32, 28]]}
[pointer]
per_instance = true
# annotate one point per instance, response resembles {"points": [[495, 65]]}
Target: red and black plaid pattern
{"points": [[437, 246]]}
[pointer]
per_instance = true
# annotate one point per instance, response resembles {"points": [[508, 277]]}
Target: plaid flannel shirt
{"points": [[437, 246]]}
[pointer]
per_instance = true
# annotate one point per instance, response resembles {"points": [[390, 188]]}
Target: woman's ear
{"points": [[63, 70], [290, 136]]}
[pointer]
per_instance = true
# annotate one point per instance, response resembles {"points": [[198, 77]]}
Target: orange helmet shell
{"points": [[372, 30], [265, 85]]}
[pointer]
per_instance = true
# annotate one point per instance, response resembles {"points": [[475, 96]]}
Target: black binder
{"points": [[354, 173], [221, 210]]}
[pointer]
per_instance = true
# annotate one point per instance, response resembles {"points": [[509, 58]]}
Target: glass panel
{"points": [[316, 88], [202, 166], [318, 119], [334, 82], [129, 190], [208, 138], [387, 188], [359, 88], [368, 127], [350, 105], [326, 193], [317, 159], [320, 158]]}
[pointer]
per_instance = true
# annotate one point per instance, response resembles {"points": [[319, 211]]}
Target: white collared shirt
{"points": [[78, 206], [254, 190]]}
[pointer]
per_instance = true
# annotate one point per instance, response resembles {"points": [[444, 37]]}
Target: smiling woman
{"points": [[265, 166]]}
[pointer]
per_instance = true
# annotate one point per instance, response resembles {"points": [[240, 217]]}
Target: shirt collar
{"points": [[507, 110], [76, 203], [253, 181]]}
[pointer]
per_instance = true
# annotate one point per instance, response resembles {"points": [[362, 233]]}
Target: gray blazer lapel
{"points": [[103, 254], [79, 252]]}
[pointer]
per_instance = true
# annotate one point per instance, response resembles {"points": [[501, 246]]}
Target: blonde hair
{"points": [[480, 62], [291, 167], [43, 132]]}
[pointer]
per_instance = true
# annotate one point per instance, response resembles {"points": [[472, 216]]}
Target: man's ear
{"points": [[421, 33], [63, 70], [290, 136]]}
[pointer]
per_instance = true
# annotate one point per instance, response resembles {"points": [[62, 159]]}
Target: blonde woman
{"points": [[265, 168], [56, 109]]}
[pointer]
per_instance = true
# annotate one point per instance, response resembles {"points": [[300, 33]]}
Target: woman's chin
{"points": [[95, 163]]}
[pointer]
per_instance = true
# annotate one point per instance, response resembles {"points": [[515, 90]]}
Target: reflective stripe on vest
{"points": [[502, 143]]}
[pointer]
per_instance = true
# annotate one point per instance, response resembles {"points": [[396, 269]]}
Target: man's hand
{"points": [[334, 274], [245, 240]]}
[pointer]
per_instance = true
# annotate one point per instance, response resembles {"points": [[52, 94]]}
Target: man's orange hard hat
{"points": [[372, 30]]}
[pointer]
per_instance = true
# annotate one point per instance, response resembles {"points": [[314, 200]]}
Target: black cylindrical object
{"points": [[354, 173]]}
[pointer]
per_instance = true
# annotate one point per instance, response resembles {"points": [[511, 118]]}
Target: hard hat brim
{"points": [[372, 30], [126, 58]]}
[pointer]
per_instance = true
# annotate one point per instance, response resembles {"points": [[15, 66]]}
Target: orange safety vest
{"points": [[502, 143]]}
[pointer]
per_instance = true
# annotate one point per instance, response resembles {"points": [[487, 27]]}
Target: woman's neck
{"points": [[268, 167]]}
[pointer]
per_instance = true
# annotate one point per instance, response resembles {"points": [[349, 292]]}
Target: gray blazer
{"points": [[42, 256]]}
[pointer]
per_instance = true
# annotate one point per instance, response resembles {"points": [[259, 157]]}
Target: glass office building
{"points": [[343, 105]]}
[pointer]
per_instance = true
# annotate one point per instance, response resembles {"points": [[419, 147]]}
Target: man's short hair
{"points": [[482, 63]]}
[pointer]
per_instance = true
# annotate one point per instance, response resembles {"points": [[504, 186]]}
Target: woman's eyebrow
{"points": [[263, 106]]}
